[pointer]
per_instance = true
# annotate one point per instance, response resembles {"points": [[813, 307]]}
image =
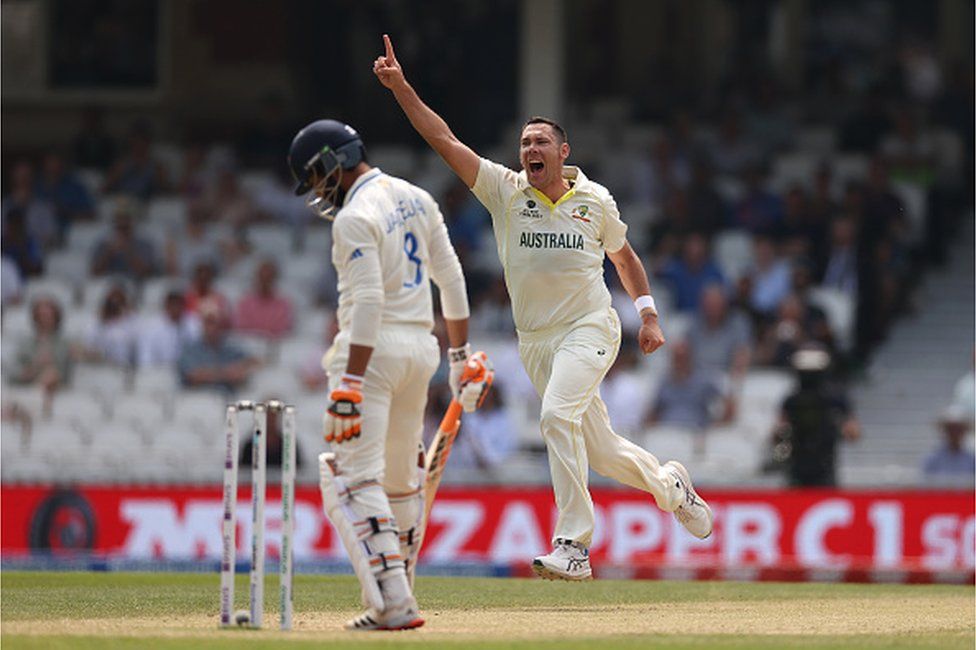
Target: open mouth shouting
{"points": [[535, 169]]}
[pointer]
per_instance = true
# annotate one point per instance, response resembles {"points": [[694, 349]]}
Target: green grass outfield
{"points": [[105, 611]]}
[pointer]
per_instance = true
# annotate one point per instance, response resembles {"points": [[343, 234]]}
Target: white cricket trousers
{"points": [[394, 398], [566, 365]]}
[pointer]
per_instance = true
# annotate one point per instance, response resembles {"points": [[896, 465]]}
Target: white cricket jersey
{"points": [[552, 253], [389, 240]]}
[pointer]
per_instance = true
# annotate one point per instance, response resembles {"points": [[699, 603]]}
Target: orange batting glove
{"points": [[343, 421], [475, 381]]}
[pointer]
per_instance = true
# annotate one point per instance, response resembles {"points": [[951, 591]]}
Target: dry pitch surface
{"points": [[107, 611]]}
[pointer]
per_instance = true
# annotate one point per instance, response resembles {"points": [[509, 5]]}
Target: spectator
{"points": [[821, 209], [665, 172], [488, 438], [759, 211], [40, 219], [64, 190], [19, 246], [769, 122], [112, 338], [687, 396], [277, 198], [795, 326], [952, 460], [910, 151], [121, 252], [214, 362], [202, 289], [691, 272], [732, 153], [812, 420], [707, 211], [196, 176], [770, 276], [11, 283], [45, 358], [721, 338], [93, 147], [466, 220], [841, 271], [492, 314], [163, 336], [867, 125], [137, 173], [200, 242], [227, 201], [672, 227], [265, 311]]}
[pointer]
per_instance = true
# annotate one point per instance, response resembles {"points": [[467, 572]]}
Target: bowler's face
{"points": [[542, 153]]}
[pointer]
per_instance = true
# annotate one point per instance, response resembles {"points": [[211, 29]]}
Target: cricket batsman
{"points": [[388, 242], [553, 227]]}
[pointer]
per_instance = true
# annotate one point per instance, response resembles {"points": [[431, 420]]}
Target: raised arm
{"points": [[428, 124]]}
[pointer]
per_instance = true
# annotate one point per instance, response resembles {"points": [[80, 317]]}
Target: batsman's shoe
{"points": [[568, 561], [402, 617], [693, 513]]}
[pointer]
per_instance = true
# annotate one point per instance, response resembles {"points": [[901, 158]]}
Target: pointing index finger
{"points": [[389, 47]]}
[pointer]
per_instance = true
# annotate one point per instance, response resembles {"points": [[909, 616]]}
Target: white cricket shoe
{"points": [[693, 513], [568, 561], [402, 617]]}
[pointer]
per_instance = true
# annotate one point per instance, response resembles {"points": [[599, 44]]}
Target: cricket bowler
{"points": [[552, 228], [388, 242]]}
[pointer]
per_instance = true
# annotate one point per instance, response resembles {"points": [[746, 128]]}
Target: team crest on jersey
{"points": [[531, 210], [581, 212]]}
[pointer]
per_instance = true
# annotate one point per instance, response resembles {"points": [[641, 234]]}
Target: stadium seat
{"points": [[733, 252], [254, 181], [69, 265], [274, 240], [17, 323], [102, 382], [61, 289], [912, 195], [849, 167], [83, 236], [141, 413], [816, 139], [278, 382], [30, 400], [91, 178], [728, 450], [396, 160], [730, 188], [792, 168], [762, 393], [670, 443], [96, 288], [170, 211], [839, 309]]}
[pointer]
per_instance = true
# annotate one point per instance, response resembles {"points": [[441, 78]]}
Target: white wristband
{"points": [[645, 302]]}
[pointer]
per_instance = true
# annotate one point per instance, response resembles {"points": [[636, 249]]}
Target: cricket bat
{"points": [[477, 369]]}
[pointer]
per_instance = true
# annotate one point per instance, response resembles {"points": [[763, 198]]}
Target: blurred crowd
{"points": [[705, 180]]}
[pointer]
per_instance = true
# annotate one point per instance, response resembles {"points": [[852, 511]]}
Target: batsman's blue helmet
{"points": [[323, 146]]}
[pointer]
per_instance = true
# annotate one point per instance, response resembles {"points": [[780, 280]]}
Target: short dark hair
{"points": [[538, 119]]}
